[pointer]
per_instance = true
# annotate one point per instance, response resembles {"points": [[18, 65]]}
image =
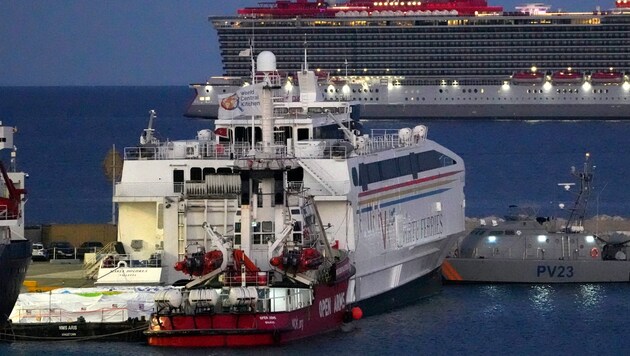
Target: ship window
{"points": [[302, 134], [195, 174], [404, 165], [374, 174], [178, 181], [237, 233]]}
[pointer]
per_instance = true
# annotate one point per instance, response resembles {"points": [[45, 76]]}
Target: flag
{"points": [[245, 53], [221, 132]]}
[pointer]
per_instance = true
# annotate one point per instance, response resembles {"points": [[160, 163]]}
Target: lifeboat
{"points": [[298, 261], [528, 78], [198, 264], [609, 77], [567, 77]]}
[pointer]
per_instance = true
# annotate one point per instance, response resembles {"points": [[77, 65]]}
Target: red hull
{"points": [[325, 314]]}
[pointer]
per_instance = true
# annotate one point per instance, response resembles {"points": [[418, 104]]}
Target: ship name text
{"points": [[327, 307]]}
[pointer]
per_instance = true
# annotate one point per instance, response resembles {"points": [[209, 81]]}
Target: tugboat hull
{"points": [[327, 312]]}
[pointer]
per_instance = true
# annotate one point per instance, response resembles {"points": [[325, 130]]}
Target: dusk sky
{"points": [[129, 42]]}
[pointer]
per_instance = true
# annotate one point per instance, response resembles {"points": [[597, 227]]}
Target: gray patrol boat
{"points": [[529, 249]]}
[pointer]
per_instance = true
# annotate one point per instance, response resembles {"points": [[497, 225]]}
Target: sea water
{"points": [[64, 134], [583, 319]]}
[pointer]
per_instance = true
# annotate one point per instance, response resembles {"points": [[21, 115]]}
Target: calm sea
{"points": [[64, 134], [537, 320]]}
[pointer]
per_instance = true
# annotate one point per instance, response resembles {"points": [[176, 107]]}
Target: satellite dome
{"points": [[266, 62]]}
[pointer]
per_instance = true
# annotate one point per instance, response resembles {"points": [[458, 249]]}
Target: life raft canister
{"points": [[594, 252]]}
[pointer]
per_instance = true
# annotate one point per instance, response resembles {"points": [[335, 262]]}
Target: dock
{"points": [[43, 276]]}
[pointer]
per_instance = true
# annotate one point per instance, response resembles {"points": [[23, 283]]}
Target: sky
{"points": [[130, 42]]}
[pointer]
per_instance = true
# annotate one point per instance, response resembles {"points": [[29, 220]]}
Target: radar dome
{"points": [[404, 134], [420, 132], [205, 135], [266, 62]]}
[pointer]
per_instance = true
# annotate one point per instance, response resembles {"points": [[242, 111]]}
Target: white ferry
{"points": [[393, 199]]}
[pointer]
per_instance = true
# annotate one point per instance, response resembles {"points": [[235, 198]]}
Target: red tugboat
{"points": [[232, 303]]}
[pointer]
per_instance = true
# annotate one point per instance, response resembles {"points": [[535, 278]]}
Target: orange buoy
{"points": [[594, 252], [357, 313]]}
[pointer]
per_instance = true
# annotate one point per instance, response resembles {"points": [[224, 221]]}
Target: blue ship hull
{"points": [[14, 261]]}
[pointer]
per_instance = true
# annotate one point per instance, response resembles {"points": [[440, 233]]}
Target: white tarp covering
{"points": [[93, 304]]}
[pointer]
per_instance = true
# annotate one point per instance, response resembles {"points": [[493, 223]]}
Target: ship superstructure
{"points": [[449, 59], [393, 198]]}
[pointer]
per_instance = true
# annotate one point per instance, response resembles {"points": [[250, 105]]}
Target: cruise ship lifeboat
{"points": [[607, 78], [567, 77], [528, 78]]}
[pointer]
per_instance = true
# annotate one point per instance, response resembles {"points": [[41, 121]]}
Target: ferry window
{"points": [[389, 169], [302, 134], [195, 174], [355, 177], [208, 171], [178, 181], [374, 174], [237, 233], [404, 165]]}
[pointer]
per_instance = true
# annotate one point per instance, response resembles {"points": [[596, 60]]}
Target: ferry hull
{"points": [[406, 294], [325, 314], [484, 270], [14, 260]]}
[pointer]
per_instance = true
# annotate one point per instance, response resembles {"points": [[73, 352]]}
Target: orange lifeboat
{"points": [[199, 264], [567, 77], [528, 78], [609, 77], [298, 261]]}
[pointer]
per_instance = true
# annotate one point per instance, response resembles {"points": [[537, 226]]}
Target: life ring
{"points": [[594, 252], [122, 264]]}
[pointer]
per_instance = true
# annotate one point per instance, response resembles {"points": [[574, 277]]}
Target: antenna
{"points": [[305, 55], [585, 178]]}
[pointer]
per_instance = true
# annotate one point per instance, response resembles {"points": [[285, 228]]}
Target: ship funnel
{"points": [[266, 62]]}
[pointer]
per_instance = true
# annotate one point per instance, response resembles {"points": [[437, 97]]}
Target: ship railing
{"points": [[289, 299], [58, 315], [8, 214]]}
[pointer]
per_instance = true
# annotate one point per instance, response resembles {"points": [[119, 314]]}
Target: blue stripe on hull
{"points": [[14, 261], [404, 200], [407, 294]]}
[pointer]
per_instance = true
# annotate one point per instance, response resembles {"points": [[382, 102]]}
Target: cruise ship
{"points": [[438, 59]]}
